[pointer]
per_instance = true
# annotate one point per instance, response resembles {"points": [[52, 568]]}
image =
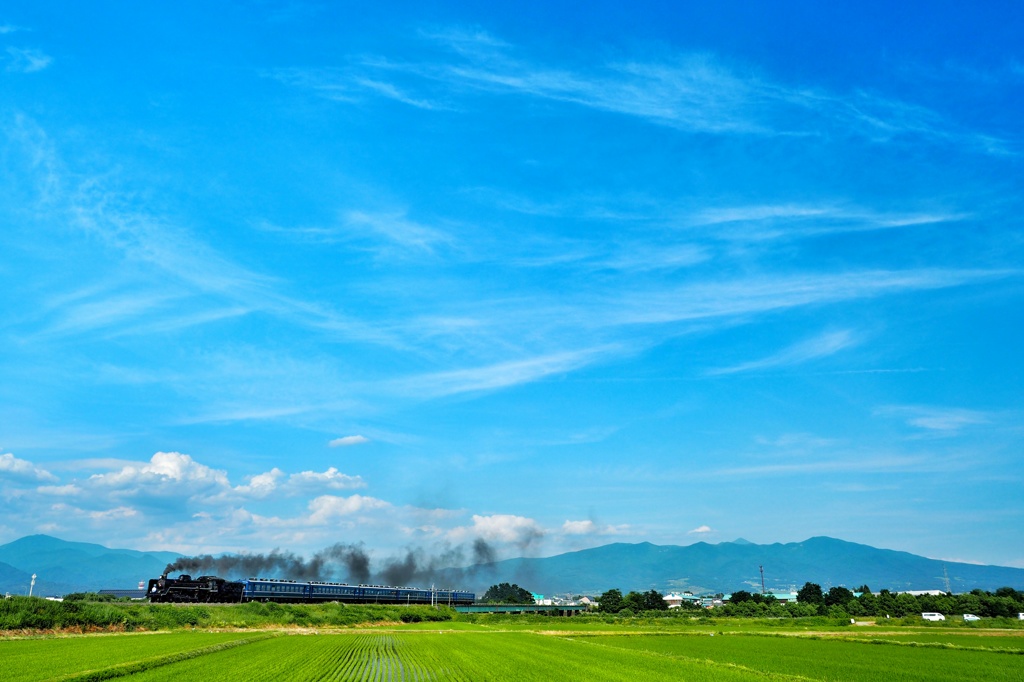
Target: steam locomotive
{"points": [[209, 588]]}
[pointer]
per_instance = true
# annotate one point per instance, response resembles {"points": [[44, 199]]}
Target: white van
{"points": [[928, 615]]}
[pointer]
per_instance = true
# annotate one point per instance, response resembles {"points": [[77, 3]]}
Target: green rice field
{"points": [[464, 651]]}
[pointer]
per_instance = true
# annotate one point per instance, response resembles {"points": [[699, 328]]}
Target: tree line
{"points": [[840, 602], [613, 601]]}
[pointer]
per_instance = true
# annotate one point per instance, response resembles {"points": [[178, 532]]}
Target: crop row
{"points": [[46, 658], [428, 655], [449, 656], [828, 658]]}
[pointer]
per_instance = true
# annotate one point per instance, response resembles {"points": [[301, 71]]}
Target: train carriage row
{"points": [[213, 589]]}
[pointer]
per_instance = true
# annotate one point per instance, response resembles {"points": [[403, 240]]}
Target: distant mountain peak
{"points": [[741, 541]]}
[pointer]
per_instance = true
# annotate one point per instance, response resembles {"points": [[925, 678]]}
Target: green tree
{"points": [[505, 593], [869, 604], [610, 601], [837, 596], [886, 604], [634, 601], [653, 601], [739, 596], [906, 604], [810, 593]]}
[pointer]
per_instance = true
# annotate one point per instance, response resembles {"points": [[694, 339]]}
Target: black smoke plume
{"points": [[348, 562], [482, 552], [333, 562]]}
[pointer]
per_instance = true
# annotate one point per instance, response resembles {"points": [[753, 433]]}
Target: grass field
{"points": [[468, 651]]}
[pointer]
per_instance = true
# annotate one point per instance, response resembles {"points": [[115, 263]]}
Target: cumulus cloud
{"points": [[588, 527], [328, 507], [177, 477], [579, 527], [13, 467], [276, 481], [261, 485], [330, 479], [508, 528], [166, 472], [700, 530], [348, 441]]}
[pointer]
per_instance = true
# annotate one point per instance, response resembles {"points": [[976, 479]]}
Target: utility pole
{"points": [[32, 584], [762, 578]]}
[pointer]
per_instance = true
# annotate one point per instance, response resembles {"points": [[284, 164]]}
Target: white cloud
{"points": [[68, 490], [27, 60], [393, 92], [347, 441], [579, 527], [691, 92], [502, 374], [330, 479], [824, 345], [114, 514], [939, 420], [797, 441], [20, 468], [588, 527], [700, 530], [518, 530], [260, 485], [328, 507], [166, 471], [397, 229]]}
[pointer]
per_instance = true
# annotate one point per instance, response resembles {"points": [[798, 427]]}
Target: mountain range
{"points": [[729, 566], [63, 567]]}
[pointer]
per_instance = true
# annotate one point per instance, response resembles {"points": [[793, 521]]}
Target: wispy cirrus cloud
{"points": [[690, 92], [800, 221], [177, 279], [27, 60], [936, 420], [846, 464], [761, 294], [500, 375], [388, 233], [348, 441], [821, 346], [391, 91]]}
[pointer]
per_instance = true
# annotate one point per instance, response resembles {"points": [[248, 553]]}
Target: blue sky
{"points": [[290, 274]]}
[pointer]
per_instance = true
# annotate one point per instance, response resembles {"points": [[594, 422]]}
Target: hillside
{"points": [[63, 566], [731, 566]]}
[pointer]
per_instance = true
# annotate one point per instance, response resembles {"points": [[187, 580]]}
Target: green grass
{"points": [[828, 658], [429, 656], [48, 658], [527, 649], [33, 614]]}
